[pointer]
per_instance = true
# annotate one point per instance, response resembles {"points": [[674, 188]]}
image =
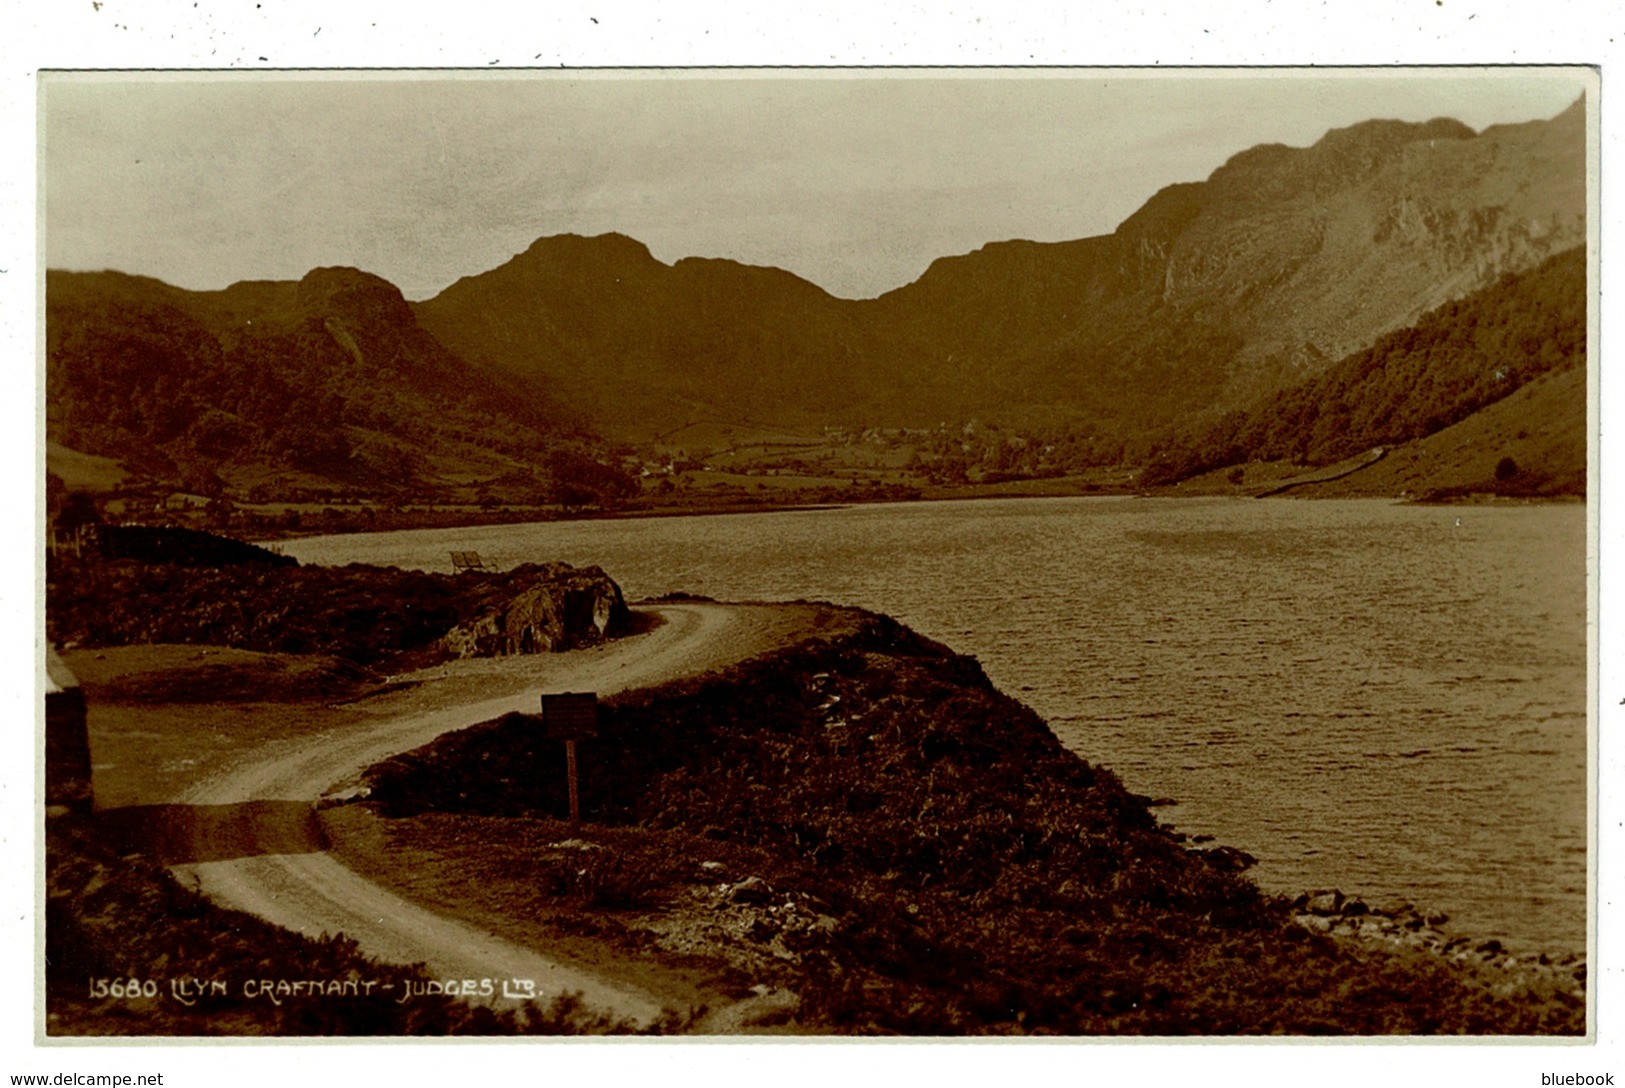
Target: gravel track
{"points": [[312, 893]]}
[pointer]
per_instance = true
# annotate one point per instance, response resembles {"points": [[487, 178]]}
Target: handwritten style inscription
{"points": [[190, 991]]}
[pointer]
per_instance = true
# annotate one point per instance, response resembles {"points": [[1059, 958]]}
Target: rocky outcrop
{"points": [[554, 606], [370, 616]]}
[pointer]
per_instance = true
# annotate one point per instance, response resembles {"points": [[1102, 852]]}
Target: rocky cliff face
{"points": [[554, 606], [1319, 251]]}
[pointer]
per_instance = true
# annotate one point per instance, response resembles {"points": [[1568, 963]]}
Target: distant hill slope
{"points": [[82, 471], [1213, 293], [642, 347], [1532, 443], [1458, 359], [1212, 297], [326, 380]]}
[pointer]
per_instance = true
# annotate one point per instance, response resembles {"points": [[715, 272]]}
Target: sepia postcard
{"points": [[782, 555]]}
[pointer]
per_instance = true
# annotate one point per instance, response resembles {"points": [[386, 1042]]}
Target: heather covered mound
{"points": [[365, 614], [864, 820]]}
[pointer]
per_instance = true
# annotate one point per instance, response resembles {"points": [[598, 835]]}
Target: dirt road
{"points": [[311, 892]]}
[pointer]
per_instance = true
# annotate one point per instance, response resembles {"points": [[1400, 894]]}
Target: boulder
{"points": [[1324, 902], [753, 889], [1228, 859], [542, 608]]}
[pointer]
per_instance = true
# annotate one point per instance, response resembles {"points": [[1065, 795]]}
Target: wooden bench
{"points": [[461, 561]]}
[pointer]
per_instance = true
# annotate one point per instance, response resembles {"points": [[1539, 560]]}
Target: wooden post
{"points": [[575, 795], [571, 716]]}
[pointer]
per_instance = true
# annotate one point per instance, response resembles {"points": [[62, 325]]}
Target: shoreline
{"points": [[496, 666], [430, 821], [1422, 926], [1173, 492]]}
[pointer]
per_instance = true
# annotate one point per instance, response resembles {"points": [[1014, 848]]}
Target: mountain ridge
{"points": [[1210, 297], [1209, 294]]}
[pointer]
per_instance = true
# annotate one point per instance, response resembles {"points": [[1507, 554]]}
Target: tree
{"points": [[56, 493], [78, 511], [578, 481], [219, 511]]}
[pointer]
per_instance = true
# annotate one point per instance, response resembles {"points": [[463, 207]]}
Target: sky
{"points": [[855, 180]]}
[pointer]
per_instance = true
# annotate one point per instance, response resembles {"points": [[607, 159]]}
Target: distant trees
{"points": [[77, 511], [577, 481]]}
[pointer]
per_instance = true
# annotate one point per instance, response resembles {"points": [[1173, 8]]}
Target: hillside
{"points": [[642, 347], [1457, 360], [1530, 444], [1212, 294], [328, 382]]}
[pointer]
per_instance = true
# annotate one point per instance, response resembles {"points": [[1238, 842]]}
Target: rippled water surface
{"points": [[1385, 699]]}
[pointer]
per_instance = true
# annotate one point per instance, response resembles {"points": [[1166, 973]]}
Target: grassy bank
{"points": [[863, 820]]}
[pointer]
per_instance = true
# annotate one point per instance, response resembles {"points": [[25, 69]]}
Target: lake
{"points": [[1386, 699]]}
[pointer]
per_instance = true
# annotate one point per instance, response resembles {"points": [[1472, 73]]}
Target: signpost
{"points": [[571, 716]]}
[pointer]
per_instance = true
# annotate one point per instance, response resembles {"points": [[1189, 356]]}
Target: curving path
{"points": [[313, 893]]}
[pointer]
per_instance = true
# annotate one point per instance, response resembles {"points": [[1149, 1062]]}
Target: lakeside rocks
{"points": [[556, 607], [1404, 926]]}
